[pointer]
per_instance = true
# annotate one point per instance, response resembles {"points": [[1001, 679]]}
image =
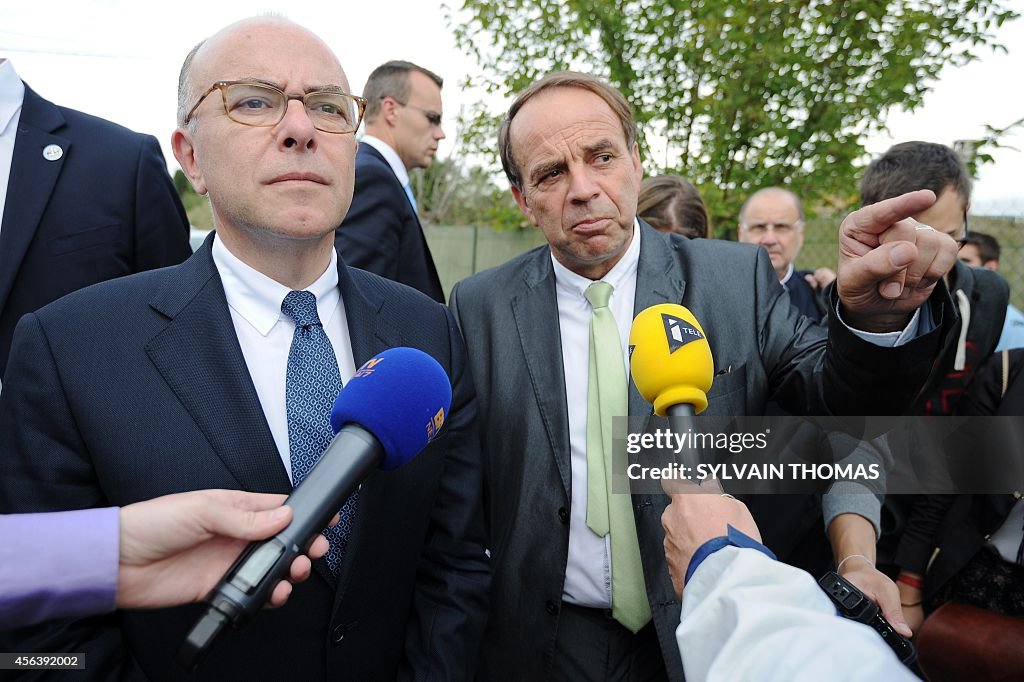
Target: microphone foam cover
{"points": [[402, 397], [670, 358]]}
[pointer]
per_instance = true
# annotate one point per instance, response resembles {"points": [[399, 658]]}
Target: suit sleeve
{"points": [[453, 579], [44, 466], [161, 225], [852, 376], [370, 236]]}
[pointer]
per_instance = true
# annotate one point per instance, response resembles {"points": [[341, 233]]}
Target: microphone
{"points": [[670, 360], [391, 409]]}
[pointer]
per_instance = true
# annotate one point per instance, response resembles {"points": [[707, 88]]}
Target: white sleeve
{"points": [[748, 617]]}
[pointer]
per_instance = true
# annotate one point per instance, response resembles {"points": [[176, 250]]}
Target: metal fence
{"points": [[460, 251]]}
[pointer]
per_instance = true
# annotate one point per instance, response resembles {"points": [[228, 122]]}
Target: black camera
{"points": [[855, 605]]}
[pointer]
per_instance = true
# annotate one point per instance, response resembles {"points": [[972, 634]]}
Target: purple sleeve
{"points": [[56, 565]]}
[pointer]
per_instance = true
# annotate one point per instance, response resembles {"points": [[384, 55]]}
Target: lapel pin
{"points": [[52, 152]]}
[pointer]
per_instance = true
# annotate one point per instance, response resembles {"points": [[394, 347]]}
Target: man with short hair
{"points": [[982, 251], [221, 372], [581, 589], [382, 232], [773, 218], [981, 296]]}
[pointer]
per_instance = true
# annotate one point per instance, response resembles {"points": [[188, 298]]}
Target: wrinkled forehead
{"points": [[563, 117], [268, 49]]}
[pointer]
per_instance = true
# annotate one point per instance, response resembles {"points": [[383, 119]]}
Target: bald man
{"points": [[221, 372], [773, 218]]}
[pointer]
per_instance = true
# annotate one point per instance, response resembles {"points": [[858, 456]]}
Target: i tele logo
{"points": [[679, 332]]}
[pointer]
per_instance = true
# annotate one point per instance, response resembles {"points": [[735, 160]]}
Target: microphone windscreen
{"points": [[670, 358], [402, 397]]}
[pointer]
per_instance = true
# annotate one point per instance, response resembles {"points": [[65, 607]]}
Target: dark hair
{"points": [[671, 203], [391, 79], [988, 246], [563, 79], [911, 166]]}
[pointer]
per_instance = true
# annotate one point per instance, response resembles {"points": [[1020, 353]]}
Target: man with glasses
{"points": [[774, 218], [221, 372], [382, 232]]}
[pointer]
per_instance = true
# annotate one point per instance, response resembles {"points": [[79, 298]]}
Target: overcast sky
{"points": [[119, 59]]}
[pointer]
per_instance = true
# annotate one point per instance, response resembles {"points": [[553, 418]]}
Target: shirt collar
{"points": [[12, 94], [624, 269], [789, 273], [257, 298], [390, 155]]}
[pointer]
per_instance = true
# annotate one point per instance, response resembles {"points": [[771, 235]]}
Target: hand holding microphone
{"points": [[390, 410]]}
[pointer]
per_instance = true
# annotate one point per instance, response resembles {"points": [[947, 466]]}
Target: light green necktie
{"points": [[606, 512]]}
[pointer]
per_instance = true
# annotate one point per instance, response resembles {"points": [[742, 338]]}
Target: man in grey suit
{"points": [[569, 150]]}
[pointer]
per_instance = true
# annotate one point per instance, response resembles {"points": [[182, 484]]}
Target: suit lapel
{"points": [[31, 183], [200, 359], [659, 279], [535, 312]]}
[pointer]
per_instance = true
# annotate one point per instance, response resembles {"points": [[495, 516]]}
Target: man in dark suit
{"points": [[382, 232], [569, 149], [773, 218], [86, 201], [196, 376]]}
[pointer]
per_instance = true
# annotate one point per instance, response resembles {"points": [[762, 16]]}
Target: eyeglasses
{"points": [[967, 233], [262, 105], [433, 118], [759, 229]]}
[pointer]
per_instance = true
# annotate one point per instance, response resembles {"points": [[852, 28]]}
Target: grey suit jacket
{"points": [[763, 349]]}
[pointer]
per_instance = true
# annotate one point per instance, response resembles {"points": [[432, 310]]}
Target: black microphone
{"points": [[394, 405]]}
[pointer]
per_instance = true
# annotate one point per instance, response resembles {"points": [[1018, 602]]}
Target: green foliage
{"points": [[196, 207], [977, 152], [453, 191], [744, 94]]}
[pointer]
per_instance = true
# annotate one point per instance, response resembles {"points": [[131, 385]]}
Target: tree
{"points": [[739, 95]]}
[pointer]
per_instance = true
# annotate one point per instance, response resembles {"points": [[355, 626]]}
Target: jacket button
{"points": [[551, 607], [338, 634], [563, 515]]}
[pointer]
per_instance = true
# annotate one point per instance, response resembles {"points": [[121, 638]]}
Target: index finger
{"points": [[679, 486], [876, 218]]}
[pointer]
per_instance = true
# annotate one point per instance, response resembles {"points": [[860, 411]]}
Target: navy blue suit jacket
{"points": [[382, 233], [808, 301], [137, 387], [104, 209]]}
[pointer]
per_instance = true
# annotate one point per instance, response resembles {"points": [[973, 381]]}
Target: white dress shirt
{"points": [[588, 573], [265, 333], [12, 94]]}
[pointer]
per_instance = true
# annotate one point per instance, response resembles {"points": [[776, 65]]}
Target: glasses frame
{"points": [[430, 114], [791, 228], [221, 85]]}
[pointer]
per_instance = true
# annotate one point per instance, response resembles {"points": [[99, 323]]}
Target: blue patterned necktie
{"points": [[313, 383]]}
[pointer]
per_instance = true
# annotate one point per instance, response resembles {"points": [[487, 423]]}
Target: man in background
{"points": [[83, 200], [982, 251], [773, 218], [382, 231]]}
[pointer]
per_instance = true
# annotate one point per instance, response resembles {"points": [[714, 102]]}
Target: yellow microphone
{"points": [[670, 360]]}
